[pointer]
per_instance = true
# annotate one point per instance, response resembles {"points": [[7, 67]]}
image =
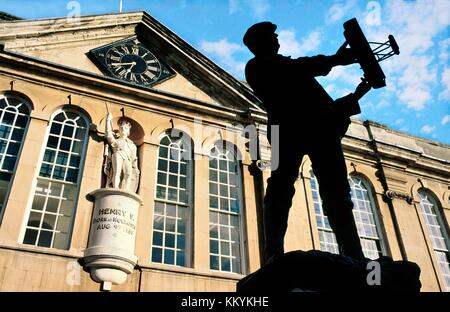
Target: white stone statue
{"points": [[121, 166]]}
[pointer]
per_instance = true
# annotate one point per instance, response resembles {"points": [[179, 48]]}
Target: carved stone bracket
{"points": [[394, 194]]}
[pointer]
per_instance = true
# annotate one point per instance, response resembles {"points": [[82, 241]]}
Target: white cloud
{"points": [[399, 121], [415, 98], [445, 94], [329, 88], [444, 46], [221, 48], [290, 46], [419, 21], [412, 76], [445, 120], [416, 80], [233, 6], [349, 74], [338, 10], [427, 129], [225, 52], [383, 103], [259, 7]]}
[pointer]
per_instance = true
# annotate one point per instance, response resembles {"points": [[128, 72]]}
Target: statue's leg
{"points": [[117, 169], [278, 199], [127, 170], [329, 167]]}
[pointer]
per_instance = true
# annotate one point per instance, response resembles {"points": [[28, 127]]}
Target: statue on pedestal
{"points": [[121, 166], [109, 256]]}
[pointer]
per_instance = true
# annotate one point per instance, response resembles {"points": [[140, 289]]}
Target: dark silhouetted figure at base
{"points": [[310, 123]]}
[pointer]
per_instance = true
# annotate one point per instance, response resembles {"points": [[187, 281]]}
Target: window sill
{"points": [[71, 253], [191, 271]]}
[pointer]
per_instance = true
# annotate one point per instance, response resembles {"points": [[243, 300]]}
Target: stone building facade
{"points": [[199, 227]]}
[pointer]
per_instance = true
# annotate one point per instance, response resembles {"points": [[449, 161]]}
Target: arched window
{"points": [[172, 221], [326, 236], [53, 210], [437, 232], [365, 218], [225, 209], [14, 117], [363, 212]]}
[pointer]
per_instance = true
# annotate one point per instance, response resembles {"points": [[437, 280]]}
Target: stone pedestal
{"points": [[322, 271], [110, 253]]}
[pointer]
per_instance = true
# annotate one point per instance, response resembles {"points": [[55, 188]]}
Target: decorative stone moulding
{"points": [[394, 194], [110, 254]]}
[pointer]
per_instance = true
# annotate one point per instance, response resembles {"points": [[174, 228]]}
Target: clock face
{"points": [[131, 61], [134, 63]]}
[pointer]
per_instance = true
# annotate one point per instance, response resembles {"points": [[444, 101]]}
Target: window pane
{"points": [[12, 128], [57, 199], [158, 223], [52, 141], [49, 221], [437, 232], [63, 223], [226, 265], [162, 178], [156, 254], [65, 144], [75, 160], [72, 175], [49, 155], [213, 246], [9, 162], [68, 131], [157, 238], [170, 240], [224, 229], [62, 158], [8, 118], [364, 215], [77, 147], [171, 218], [163, 152], [5, 178], [169, 255], [61, 241], [22, 121], [180, 258], [45, 238], [13, 148], [3, 146], [30, 237], [35, 219], [55, 128], [214, 262]]}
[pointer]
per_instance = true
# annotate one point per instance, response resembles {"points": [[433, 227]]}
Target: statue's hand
{"points": [[109, 117], [345, 56]]}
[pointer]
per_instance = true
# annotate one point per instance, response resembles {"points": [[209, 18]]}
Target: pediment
{"points": [[70, 43]]}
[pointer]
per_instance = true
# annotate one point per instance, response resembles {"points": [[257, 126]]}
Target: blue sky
{"points": [[417, 97]]}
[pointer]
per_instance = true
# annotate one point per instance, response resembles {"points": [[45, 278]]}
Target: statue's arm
{"points": [[108, 130], [135, 159], [321, 65]]}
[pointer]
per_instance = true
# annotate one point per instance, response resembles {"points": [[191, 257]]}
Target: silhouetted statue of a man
{"points": [[310, 123]]}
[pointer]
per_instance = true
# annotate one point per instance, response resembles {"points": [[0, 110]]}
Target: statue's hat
{"points": [[257, 32]]}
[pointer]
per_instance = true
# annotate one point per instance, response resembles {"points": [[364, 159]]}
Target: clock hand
{"points": [[121, 64]]}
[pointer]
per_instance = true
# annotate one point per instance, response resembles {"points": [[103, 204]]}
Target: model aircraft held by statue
{"points": [[367, 57]]}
